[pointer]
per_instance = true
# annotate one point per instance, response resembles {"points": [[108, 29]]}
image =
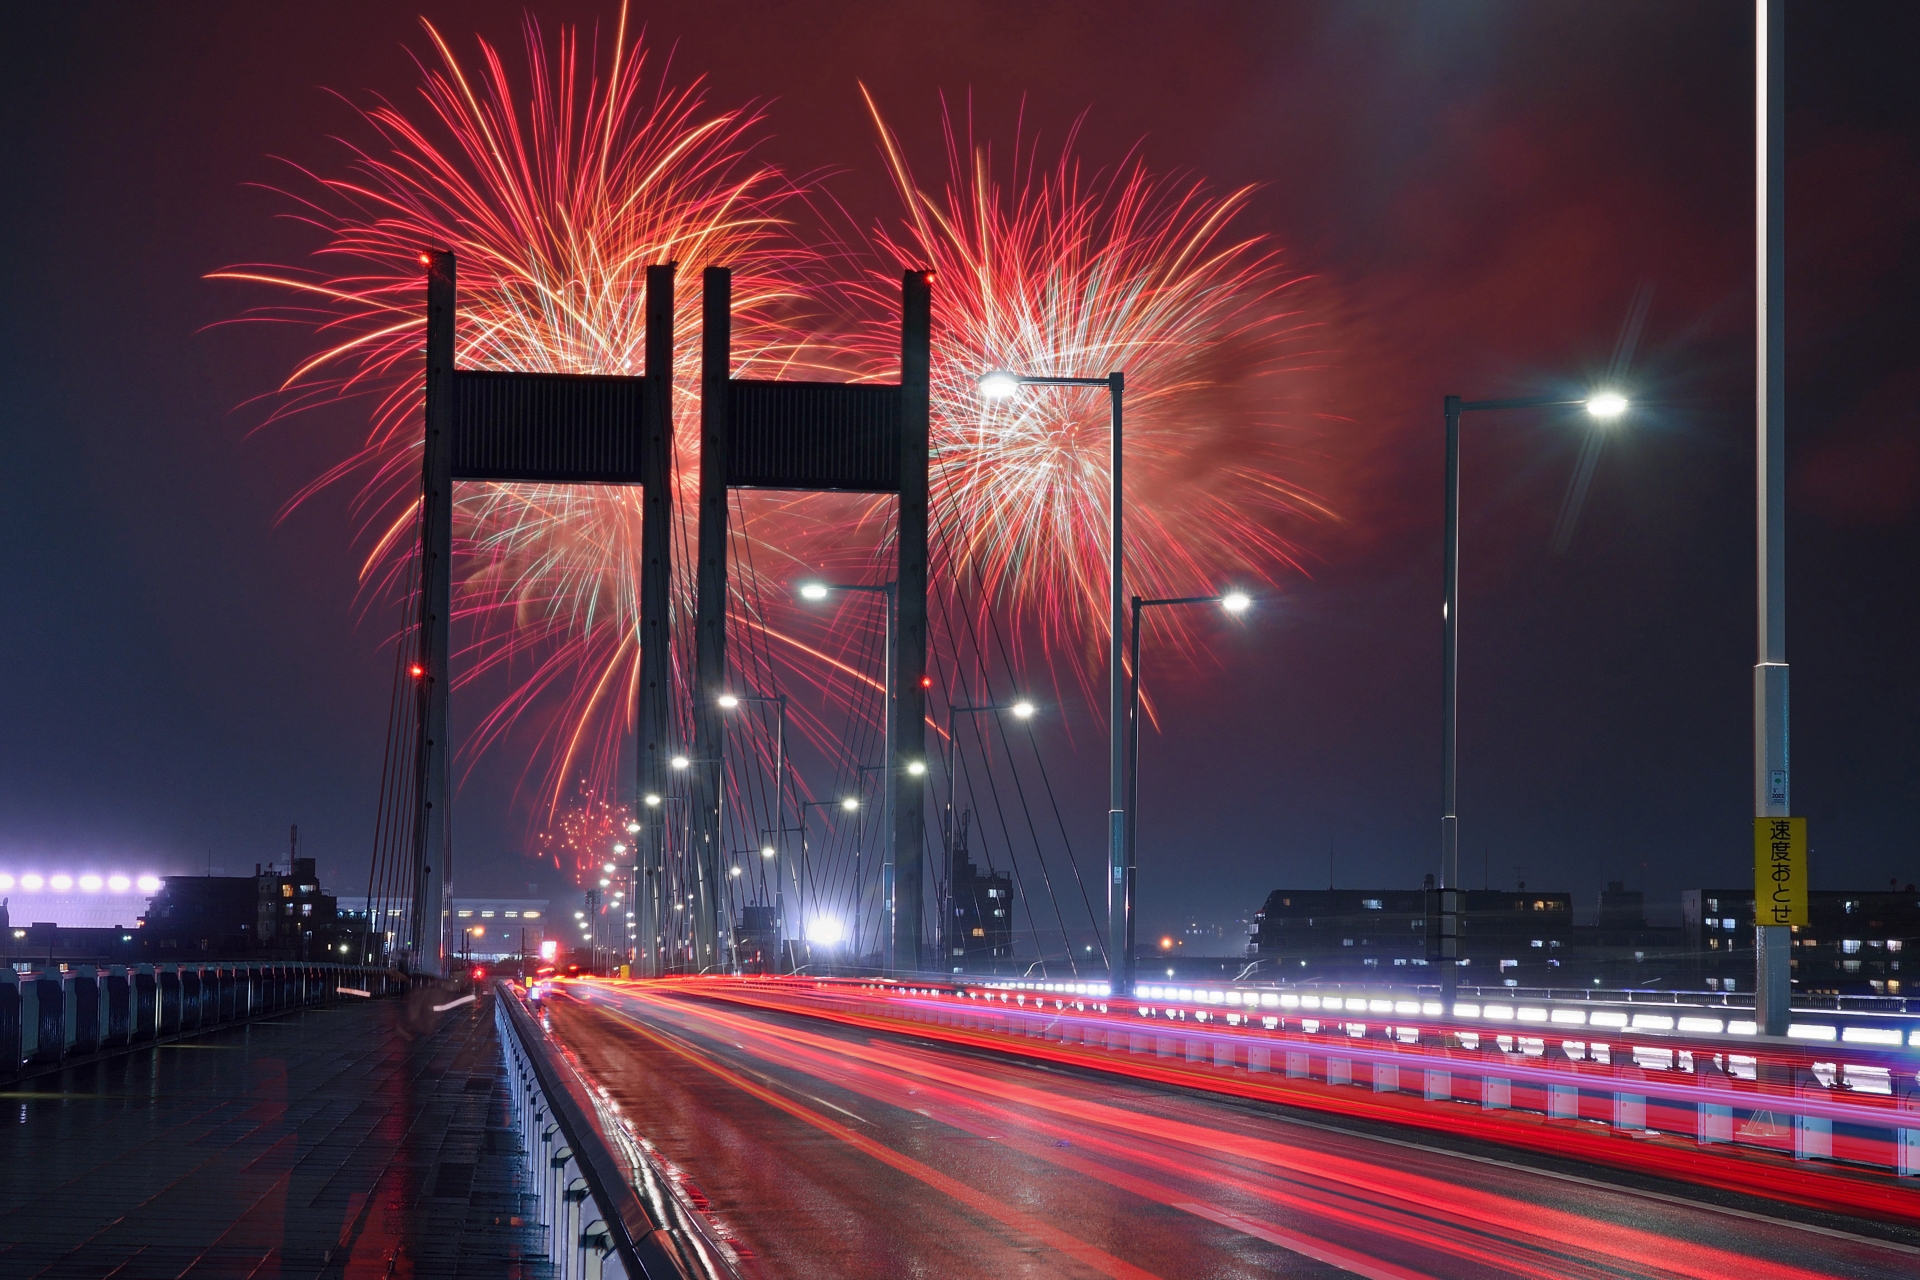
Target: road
{"points": [[825, 1151]]}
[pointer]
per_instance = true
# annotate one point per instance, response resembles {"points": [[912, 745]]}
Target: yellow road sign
{"points": [[1780, 870]]}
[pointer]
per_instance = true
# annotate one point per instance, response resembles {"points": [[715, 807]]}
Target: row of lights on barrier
{"points": [[60, 882]]}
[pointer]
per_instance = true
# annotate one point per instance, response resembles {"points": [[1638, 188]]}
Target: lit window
{"points": [[529, 915], [286, 891], [511, 915], [1539, 942], [1371, 904], [486, 915], [1893, 944], [306, 908], [1850, 946], [463, 914], [1851, 966]]}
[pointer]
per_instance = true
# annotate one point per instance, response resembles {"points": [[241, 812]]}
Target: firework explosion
{"points": [[556, 195], [1055, 275]]}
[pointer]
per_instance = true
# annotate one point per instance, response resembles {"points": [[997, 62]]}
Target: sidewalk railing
{"points": [[600, 1225], [55, 1016]]}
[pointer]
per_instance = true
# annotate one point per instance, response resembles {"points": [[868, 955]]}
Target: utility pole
{"points": [[1773, 985]]}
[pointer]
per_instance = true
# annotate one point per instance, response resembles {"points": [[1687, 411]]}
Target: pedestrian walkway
{"points": [[368, 1139]]}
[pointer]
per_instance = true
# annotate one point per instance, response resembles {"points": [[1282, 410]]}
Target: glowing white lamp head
{"points": [[61, 883], [680, 762], [813, 591], [91, 884], [1236, 601], [766, 851], [824, 931], [653, 801], [1023, 709], [734, 871], [728, 701], [850, 804], [917, 768], [1607, 405], [999, 385], [633, 828], [119, 884], [148, 884]]}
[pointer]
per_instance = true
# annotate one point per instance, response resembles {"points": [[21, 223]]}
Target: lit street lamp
{"points": [[1234, 602], [1604, 406], [999, 384]]}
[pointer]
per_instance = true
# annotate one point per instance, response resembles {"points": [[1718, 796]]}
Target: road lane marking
{"points": [[442, 1008], [1028, 1225], [1300, 1244]]}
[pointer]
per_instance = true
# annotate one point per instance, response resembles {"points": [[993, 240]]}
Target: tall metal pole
{"points": [[909, 790], [1773, 986], [1446, 952], [710, 620], [1119, 902], [891, 602], [651, 716], [433, 841], [1126, 964]]}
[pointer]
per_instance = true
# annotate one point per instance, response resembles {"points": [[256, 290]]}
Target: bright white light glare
{"points": [[619, 848], [1608, 404], [999, 385], [607, 867], [1235, 601], [734, 871], [850, 804], [824, 931], [148, 884], [605, 882], [31, 883], [766, 851], [91, 883], [1023, 709], [6, 881], [917, 768], [728, 701], [633, 828], [680, 762], [119, 884], [653, 800], [813, 591], [62, 883]]}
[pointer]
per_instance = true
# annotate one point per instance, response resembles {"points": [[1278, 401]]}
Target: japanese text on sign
{"points": [[1780, 871]]}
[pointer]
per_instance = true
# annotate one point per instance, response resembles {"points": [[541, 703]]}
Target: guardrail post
{"points": [[1259, 1058], [10, 1052], [1386, 1077], [1339, 1070], [1629, 1109], [1713, 1121], [1906, 1142], [1812, 1135], [86, 1010], [146, 1003], [118, 990], [190, 985], [50, 1017], [168, 1021], [1299, 1065], [1496, 1092]]}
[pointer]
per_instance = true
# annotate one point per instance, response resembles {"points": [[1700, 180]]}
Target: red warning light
{"points": [[417, 670], [479, 973], [926, 682], [426, 259]]}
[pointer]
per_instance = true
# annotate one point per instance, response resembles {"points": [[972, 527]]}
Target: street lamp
{"points": [[1022, 709], [1603, 406], [1000, 384], [846, 804], [890, 594], [1233, 602], [730, 701]]}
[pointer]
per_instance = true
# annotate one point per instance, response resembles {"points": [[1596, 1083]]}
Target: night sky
{"points": [[1478, 190]]}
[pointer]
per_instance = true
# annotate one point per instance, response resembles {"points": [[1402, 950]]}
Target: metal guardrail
{"points": [[1853, 1101], [55, 1016], [603, 1226]]}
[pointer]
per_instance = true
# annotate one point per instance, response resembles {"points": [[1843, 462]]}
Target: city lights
{"points": [[1607, 404]]}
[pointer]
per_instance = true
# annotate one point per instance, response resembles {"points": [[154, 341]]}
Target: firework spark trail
{"points": [[1056, 274], [555, 195]]}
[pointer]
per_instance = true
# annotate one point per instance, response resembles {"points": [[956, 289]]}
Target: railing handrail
{"points": [[631, 1227]]}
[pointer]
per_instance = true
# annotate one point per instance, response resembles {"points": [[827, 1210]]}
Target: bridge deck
{"points": [[366, 1139]]}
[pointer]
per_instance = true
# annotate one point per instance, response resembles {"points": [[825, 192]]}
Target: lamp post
{"points": [[1022, 709], [1605, 406], [1234, 602], [890, 593], [730, 701], [846, 804], [1001, 384]]}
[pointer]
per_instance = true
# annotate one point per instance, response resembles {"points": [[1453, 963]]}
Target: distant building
{"points": [[979, 915], [756, 940], [268, 914], [1855, 942], [483, 928], [1382, 933]]}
